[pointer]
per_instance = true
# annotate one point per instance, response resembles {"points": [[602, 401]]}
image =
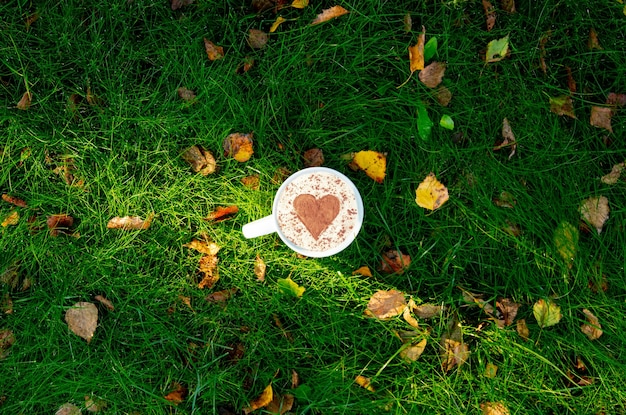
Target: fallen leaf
{"points": [[406, 315], [213, 51], [509, 309], [407, 23], [431, 194], [6, 305], [490, 14], [394, 262], [251, 182], [454, 354], [31, 19], [82, 319], [595, 211], [592, 329], [430, 49], [208, 269], [187, 301], [280, 404], [614, 175], [178, 394], [547, 313], [571, 83], [257, 39], [616, 100], [245, 66], [446, 122], [494, 408], [313, 157], [522, 329], [7, 339], [200, 160], [177, 4], [279, 20], [412, 351], [364, 271], [444, 96], [329, 14], [365, 383], [280, 175], [562, 105], [128, 223], [12, 219], [601, 117], [11, 276], [279, 324], [236, 352], [14, 200], [66, 170], [295, 379], [186, 95], [25, 101], [542, 50], [566, 241], [94, 404], [92, 99], [497, 50], [68, 409], [289, 287], [105, 302], [416, 53], [372, 163], [491, 371], [261, 401], [299, 4], [426, 311], [508, 139], [593, 42], [259, 268], [424, 123], [238, 146], [59, 224], [386, 304], [204, 247], [508, 6], [432, 75], [220, 297], [222, 213]]}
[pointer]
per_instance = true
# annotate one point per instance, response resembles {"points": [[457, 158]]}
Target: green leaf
{"points": [[447, 122], [430, 49], [497, 49], [289, 287], [424, 124], [566, 241], [546, 313]]}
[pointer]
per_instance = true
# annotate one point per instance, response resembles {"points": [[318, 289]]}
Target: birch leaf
{"points": [[329, 14], [82, 319], [431, 193], [547, 313]]}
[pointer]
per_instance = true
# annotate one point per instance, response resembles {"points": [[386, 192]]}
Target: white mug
{"points": [[307, 221]]}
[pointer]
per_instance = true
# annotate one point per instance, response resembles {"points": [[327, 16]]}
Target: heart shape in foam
{"points": [[316, 214]]}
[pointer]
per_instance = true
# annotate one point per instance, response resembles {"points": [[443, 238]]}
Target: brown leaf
{"points": [[593, 42], [127, 223], [618, 100], [295, 379], [490, 14], [11, 276], [82, 319], [177, 4], [508, 139], [213, 51], [432, 75], [412, 351], [280, 404], [508, 5], [204, 247], [428, 310], [187, 301], [329, 14], [25, 101], [494, 408], [105, 302], [94, 404], [245, 66], [208, 267], [542, 50], [186, 94], [614, 175], [509, 309], [259, 268], [93, 100], [252, 182], [386, 304], [522, 329], [68, 409], [416, 53], [592, 329], [407, 23], [261, 401], [257, 39], [454, 354], [505, 200], [571, 83], [7, 339], [178, 394], [14, 200], [31, 19], [222, 213], [563, 105], [491, 371], [6, 305], [365, 383], [595, 211], [60, 224], [200, 160], [239, 146], [395, 262], [313, 157], [220, 297], [236, 352], [11, 219], [444, 96], [601, 117]]}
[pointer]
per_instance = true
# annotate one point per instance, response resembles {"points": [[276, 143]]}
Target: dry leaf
{"points": [[431, 194], [494, 408], [6, 305], [68, 409], [280, 175], [454, 354], [295, 379], [491, 371], [444, 96], [259, 268], [364, 382], [11, 219], [542, 50], [200, 160], [616, 100], [490, 14], [11, 276], [508, 6], [373, 163], [299, 4], [186, 94], [14, 200], [547, 313], [509, 309], [25, 101], [105, 302], [257, 39], [82, 319], [364, 271], [30, 20], [593, 42], [59, 224], [127, 223], [407, 23], [329, 14], [566, 238], [508, 139], [601, 117], [428, 310], [245, 66], [177, 4], [313, 157], [252, 182], [7, 339], [395, 262], [432, 75], [416, 53], [208, 269], [595, 211], [411, 352], [220, 297], [279, 20], [94, 404], [613, 176], [178, 395], [505, 200], [406, 315], [563, 105], [280, 404], [222, 213], [571, 83], [386, 304], [522, 329], [261, 401], [592, 329], [204, 247], [92, 99], [238, 146], [213, 51]]}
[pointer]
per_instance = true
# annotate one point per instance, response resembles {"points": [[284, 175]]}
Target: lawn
{"points": [[93, 127]]}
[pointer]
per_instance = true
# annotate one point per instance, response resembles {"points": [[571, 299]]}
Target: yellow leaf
{"points": [[497, 49], [299, 4], [372, 163], [261, 401], [238, 146], [328, 14], [566, 241], [431, 194], [259, 268], [491, 370], [364, 382], [289, 286], [279, 20], [547, 313], [364, 271], [494, 408], [416, 53], [11, 219], [411, 352]]}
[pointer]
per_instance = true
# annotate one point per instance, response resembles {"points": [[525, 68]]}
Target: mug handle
{"points": [[260, 227]]}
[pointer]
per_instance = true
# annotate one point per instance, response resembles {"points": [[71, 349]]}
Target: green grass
{"points": [[331, 86]]}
